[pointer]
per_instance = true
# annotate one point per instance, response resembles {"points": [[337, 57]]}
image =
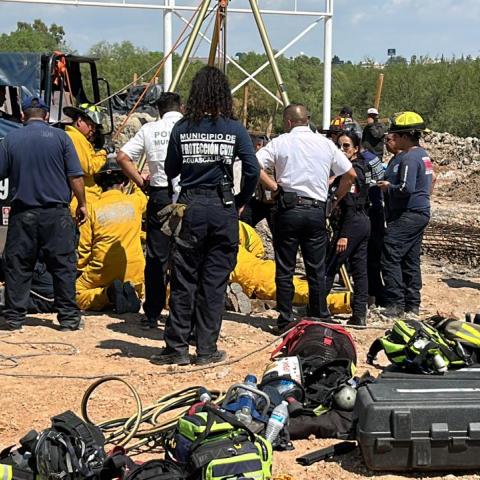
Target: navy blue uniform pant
{"points": [[304, 227], [401, 272], [374, 256], [157, 257], [204, 255], [51, 231]]}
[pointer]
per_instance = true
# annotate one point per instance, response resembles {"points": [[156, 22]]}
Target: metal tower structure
{"points": [[170, 8]]}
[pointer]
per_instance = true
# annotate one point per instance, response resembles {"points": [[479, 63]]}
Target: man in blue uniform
{"points": [[202, 148], [43, 169], [407, 185]]}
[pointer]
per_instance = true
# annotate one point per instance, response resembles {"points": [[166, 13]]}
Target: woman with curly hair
{"points": [[202, 148]]}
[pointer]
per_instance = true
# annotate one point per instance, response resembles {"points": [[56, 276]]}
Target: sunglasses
{"points": [[345, 146]]}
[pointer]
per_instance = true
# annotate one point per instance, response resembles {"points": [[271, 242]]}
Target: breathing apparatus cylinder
{"points": [[246, 400]]}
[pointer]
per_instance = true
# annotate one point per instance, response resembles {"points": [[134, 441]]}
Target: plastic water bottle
{"points": [[277, 421], [246, 400]]}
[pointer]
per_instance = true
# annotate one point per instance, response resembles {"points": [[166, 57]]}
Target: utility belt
{"points": [[287, 200], [223, 190], [157, 189]]}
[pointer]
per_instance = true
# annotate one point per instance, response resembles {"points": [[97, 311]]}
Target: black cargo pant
{"points": [[302, 226], [158, 251], [356, 254], [401, 271], [52, 231], [204, 255]]}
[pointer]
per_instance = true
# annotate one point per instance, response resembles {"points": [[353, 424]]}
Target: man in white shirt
{"points": [[302, 161], [152, 140]]}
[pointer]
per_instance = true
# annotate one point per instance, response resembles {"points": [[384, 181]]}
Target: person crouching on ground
{"points": [[111, 259]]}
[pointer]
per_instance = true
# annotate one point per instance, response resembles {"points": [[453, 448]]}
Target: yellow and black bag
{"points": [[214, 445], [418, 347]]}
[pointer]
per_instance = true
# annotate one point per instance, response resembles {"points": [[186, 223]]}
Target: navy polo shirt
{"points": [[38, 159]]}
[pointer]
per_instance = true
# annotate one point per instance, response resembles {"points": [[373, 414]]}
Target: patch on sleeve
{"points": [[428, 165]]}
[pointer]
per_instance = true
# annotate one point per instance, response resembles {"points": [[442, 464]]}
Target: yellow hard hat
{"points": [[406, 121]]}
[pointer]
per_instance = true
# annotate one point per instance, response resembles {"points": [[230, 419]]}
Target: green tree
{"points": [[34, 37]]}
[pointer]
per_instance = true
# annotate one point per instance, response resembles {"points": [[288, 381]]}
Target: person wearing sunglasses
{"points": [[351, 231]]}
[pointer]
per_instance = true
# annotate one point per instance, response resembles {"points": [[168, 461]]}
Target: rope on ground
{"points": [[14, 359], [156, 419]]}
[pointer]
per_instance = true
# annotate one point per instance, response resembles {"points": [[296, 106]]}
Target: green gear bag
{"points": [[418, 347], [214, 445], [468, 334]]}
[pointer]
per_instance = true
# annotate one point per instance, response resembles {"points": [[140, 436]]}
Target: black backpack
{"points": [[156, 470], [70, 449]]}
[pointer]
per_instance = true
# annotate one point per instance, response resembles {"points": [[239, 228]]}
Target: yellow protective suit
{"points": [[110, 247], [257, 276], [91, 162]]}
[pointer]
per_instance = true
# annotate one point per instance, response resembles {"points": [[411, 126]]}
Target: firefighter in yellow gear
{"points": [[111, 259], [257, 276], [87, 121]]}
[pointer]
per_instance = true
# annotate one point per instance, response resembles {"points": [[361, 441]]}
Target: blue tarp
{"points": [[7, 126], [21, 70]]}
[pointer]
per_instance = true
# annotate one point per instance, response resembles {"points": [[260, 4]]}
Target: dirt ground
{"points": [[113, 345]]}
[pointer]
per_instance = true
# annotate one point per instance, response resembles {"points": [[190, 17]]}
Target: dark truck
{"points": [[61, 80]]}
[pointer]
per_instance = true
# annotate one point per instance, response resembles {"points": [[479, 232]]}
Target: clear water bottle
{"points": [[246, 401], [277, 421]]}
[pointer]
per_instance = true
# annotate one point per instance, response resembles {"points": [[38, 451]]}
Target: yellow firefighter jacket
{"points": [[91, 162], [109, 247]]}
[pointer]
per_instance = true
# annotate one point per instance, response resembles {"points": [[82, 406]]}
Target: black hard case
{"points": [[420, 422]]}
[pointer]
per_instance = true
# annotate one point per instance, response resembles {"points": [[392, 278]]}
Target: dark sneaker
{"points": [[117, 297], [359, 322], [170, 357], [73, 328], [133, 303], [216, 357], [148, 323]]}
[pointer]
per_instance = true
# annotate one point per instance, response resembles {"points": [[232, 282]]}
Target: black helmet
{"points": [[110, 174]]}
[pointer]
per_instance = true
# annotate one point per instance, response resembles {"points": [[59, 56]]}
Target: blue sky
{"points": [[362, 28]]}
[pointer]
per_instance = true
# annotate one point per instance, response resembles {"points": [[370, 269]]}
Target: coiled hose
{"points": [[147, 426]]}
